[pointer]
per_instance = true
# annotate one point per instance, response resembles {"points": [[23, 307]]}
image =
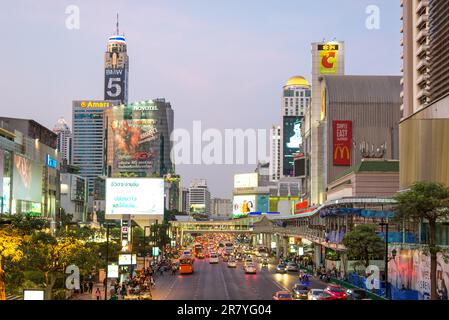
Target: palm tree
{"points": [[425, 202]]}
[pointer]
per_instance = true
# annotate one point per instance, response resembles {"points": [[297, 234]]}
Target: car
{"points": [[250, 268], [200, 255], [281, 268], [232, 264], [291, 266], [282, 295], [336, 291], [300, 291], [247, 261], [213, 258], [319, 294], [225, 257], [356, 294]]}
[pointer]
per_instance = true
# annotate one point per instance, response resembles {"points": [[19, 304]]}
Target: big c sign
{"points": [[342, 131], [328, 58]]}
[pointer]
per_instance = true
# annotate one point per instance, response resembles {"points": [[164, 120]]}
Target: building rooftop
{"points": [[372, 166], [297, 81]]}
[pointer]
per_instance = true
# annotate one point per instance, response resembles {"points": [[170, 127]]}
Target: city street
{"points": [[218, 282]]}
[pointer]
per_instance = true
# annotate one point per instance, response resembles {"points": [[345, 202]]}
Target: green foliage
{"points": [[26, 225], [100, 217], [363, 244]]}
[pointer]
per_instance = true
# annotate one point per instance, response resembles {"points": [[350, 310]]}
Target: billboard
{"points": [[197, 208], [135, 196], [1, 176], [328, 58], [33, 294], [342, 131], [263, 203], [115, 84], [243, 205], [27, 180], [323, 103], [292, 140], [137, 131], [246, 180], [300, 167], [127, 259]]}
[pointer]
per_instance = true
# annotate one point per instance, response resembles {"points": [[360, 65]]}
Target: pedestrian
{"points": [[91, 286], [123, 291], [98, 293], [105, 282], [153, 284]]}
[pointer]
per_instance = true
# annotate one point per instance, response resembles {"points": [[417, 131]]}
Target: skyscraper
{"points": [[116, 67], [88, 138], [295, 100], [64, 142], [423, 134]]}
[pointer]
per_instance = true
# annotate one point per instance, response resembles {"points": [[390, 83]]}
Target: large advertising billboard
{"points": [[135, 196], [243, 205], [27, 180], [115, 82], [246, 180], [198, 208], [342, 131], [293, 142], [137, 131], [262, 203], [328, 58]]}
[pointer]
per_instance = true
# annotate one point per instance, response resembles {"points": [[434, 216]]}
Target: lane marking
{"points": [[224, 283]]}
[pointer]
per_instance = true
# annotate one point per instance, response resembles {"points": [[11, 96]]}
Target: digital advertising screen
{"points": [[197, 209], [243, 205], [293, 140], [135, 196], [33, 294], [246, 180], [127, 259], [263, 203], [27, 180]]}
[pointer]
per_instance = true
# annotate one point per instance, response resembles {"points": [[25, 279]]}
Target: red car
{"points": [[337, 292], [282, 295]]}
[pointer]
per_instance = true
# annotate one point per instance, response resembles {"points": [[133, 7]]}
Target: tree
{"points": [[51, 256], [26, 225], [363, 244], [425, 201], [10, 242]]}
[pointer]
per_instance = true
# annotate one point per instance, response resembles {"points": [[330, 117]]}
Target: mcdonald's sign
{"points": [[342, 131]]}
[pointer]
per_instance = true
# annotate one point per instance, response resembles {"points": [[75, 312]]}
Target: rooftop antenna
{"points": [[117, 25]]}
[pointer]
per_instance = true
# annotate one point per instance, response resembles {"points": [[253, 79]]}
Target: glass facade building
{"points": [[88, 138]]}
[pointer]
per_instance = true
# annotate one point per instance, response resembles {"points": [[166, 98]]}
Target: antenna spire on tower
{"points": [[117, 25]]}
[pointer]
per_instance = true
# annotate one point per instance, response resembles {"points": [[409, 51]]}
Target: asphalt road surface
{"points": [[218, 282]]}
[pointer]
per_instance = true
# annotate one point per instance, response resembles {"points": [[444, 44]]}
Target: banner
{"points": [[115, 83], [27, 180], [342, 131]]}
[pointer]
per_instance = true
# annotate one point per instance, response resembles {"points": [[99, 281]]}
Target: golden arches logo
{"points": [[342, 150]]}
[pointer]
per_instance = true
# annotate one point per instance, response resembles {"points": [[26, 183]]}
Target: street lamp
{"points": [[107, 258], [387, 258]]}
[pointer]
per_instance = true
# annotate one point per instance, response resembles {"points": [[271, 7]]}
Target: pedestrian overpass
{"points": [[242, 225]]}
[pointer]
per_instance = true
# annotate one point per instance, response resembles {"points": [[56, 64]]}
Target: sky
{"points": [[221, 62]]}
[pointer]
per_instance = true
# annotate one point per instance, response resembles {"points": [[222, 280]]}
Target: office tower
{"points": [[116, 68], [199, 198], [275, 153], [88, 138], [424, 152], [64, 142]]}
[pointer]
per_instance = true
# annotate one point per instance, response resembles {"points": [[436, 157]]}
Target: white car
{"points": [[250, 268], [232, 264], [213, 258]]}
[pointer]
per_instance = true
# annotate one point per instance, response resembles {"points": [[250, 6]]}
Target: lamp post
{"points": [[145, 245], [107, 260], [387, 259]]}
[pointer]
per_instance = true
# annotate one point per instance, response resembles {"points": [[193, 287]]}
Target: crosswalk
{"points": [[13, 297]]}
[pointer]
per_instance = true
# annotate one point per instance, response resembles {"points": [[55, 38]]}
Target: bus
{"points": [[185, 265]]}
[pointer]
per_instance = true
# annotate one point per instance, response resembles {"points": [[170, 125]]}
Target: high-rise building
{"points": [[185, 201], [116, 68], [275, 153], [295, 101], [199, 198], [221, 207], [64, 142], [424, 152], [328, 58], [88, 138]]}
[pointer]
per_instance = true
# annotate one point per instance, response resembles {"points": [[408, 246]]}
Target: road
{"points": [[218, 282]]}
